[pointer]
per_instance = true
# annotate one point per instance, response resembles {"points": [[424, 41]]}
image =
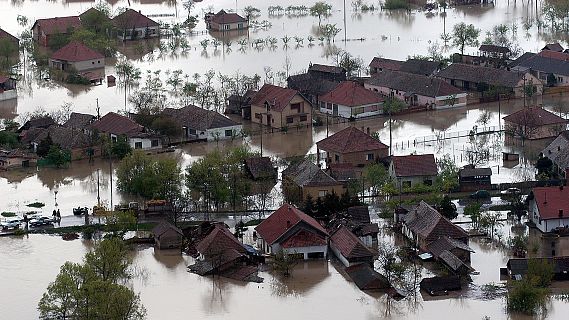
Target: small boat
{"points": [[80, 211]]}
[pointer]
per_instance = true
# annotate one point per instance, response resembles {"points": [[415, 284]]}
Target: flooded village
{"points": [[251, 159]]}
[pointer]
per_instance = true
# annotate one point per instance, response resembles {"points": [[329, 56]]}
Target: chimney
{"points": [[288, 223]]}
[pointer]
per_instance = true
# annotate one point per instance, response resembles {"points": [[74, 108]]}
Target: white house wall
{"points": [[146, 143], [545, 225], [212, 133], [346, 112]]}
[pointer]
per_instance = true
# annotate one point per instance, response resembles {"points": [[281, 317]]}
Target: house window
{"points": [[289, 119], [295, 106], [138, 145], [228, 133], [258, 116], [336, 158], [192, 131], [428, 182], [92, 62], [303, 118], [315, 255], [369, 156], [329, 106], [322, 193], [226, 26], [406, 184], [154, 143], [113, 138]]}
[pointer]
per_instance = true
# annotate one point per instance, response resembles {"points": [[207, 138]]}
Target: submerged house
{"points": [[366, 278], [472, 179], [77, 142], [43, 30], [558, 152], [317, 81], [13, 159], [75, 57], [534, 123], [133, 25], [351, 100], [412, 170], [550, 67], [114, 125], [305, 179], [167, 236], [294, 232], [348, 248], [201, 124], [240, 104], [225, 21], [549, 208], [279, 107], [7, 88]]}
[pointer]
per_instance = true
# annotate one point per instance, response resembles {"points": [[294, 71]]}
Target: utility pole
{"points": [[98, 190], [111, 177], [98, 110], [345, 32]]}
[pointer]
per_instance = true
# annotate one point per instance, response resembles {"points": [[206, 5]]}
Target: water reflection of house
{"points": [[305, 179], [201, 124], [416, 89], [225, 21], [366, 278], [294, 232], [534, 123], [352, 146], [7, 88], [115, 125], [133, 25], [558, 152], [549, 208], [412, 170], [279, 107], [167, 236], [75, 57], [44, 29], [351, 100], [348, 248], [12, 159]]}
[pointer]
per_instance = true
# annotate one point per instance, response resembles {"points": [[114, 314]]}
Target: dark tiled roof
{"points": [[307, 83], [359, 214], [164, 227], [304, 238], [342, 171], [350, 140], [131, 19], [349, 245], [368, 229], [218, 241], [413, 83], [558, 150], [474, 172], [439, 284], [366, 278], [553, 47], [280, 221], [351, 94], [260, 167], [494, 48], [75, 52], [306, 174], [223, 17], [429, 224], [452, 261], [79, 120], [66, 138], [479, 74], [418, 66], [198, 118], [117, 124], [414, 165], [554, 55], [542, 63], [326, 68], [278, 98], [550, 200], [42, 122], [534, 116], [446, 244], [58, 25], [519, 266], [385, 64]]}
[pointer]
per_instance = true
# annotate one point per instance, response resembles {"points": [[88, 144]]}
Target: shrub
{"points": [[396, 4], [525, 297], [35, 205]]}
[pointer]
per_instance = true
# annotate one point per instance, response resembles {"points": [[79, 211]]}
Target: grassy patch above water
{"points": [[8, 214], [36, 205]]}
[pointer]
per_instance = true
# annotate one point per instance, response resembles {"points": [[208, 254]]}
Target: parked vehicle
{"points": [[511, 191], [12, 223], [480, 194], [41, 221], [80, 211]]}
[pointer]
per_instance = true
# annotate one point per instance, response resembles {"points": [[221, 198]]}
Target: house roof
{"points": [[198, 118], [366, 278], [452, 261], [278, 98], [351, 94], [385, 64], [280, 221], [218, 241], [439, 284], [306, 173], [446, 244], [260, 167], [419, 66], [304, 238], [479, 74], [310, 84], [562, 56], [118, 125], [553, 47], [552, 201], [428, 223], [367, 229], [342, 171], [326, 68], [133, 19], [5, 35], [413, 83], [76, 51], [223, 17], [350, 140], [41, 122], [349, 246], [474, 172], [67, 138], [494, 48], [57, 25], [414, 165], [534, 116], [79, 120], [164, 227], [558, 150], [543, 62], [16, 153], [359, 214]]}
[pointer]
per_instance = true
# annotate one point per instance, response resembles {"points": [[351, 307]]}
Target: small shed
{"points": [[366, 278], [472, 179], [167, 236], [437, 286]]}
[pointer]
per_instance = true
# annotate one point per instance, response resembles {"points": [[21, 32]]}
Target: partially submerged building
{"points": [[167, 236], [305, 179], [348, 248], [411, 170], [352, 146], [549, 208], [534, 123]]}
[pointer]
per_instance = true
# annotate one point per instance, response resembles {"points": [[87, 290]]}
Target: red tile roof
{"points": [[348, 244], [277, 97], [382, 63], [223, 17], [116, 124], [426, 222], [414, 165], [350, 140], [133, 19], [554, 55], [534, 116], [286, 217], [76, 51], [58, 24], [550, 200], [304, 238], [351, 94], [218, 241]]}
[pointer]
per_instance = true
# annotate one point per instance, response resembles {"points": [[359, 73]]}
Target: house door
{"points": [[268, 119], [335, 110]]}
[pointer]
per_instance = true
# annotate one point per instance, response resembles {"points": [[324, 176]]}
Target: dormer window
{"points": [[267, 106]]}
